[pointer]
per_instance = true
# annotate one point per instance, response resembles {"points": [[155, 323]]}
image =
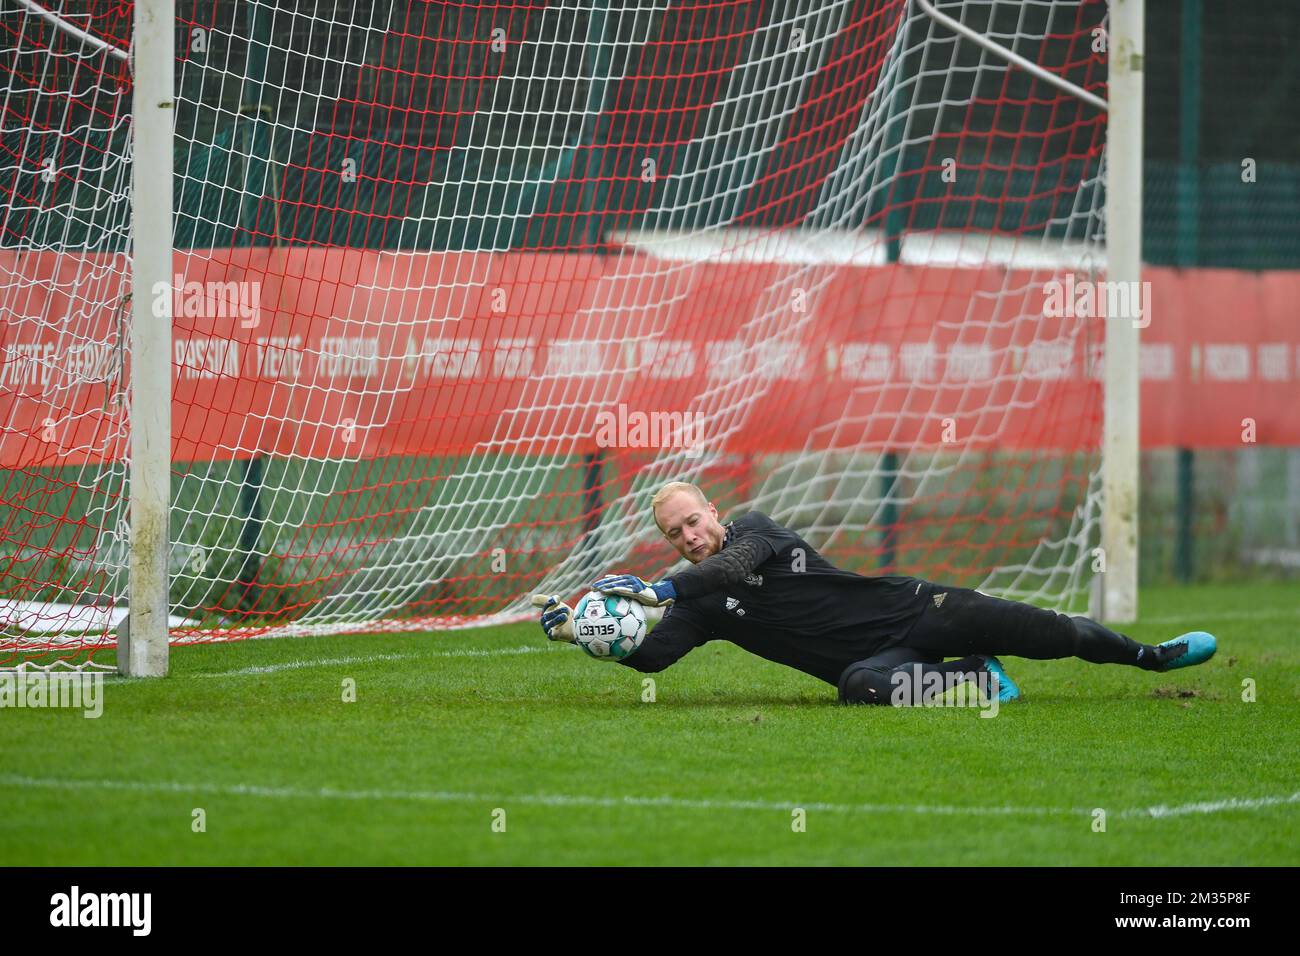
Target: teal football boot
{"points": [[1186, 650], [1007, 689]]}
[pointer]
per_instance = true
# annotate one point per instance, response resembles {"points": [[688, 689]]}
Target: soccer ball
{"points": [[607, 626]]}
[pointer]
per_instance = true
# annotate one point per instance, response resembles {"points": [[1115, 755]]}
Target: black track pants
{"points": [[967, 624]]}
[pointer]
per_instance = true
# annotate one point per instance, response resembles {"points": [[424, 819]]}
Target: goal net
{"points": [[458, 286]]}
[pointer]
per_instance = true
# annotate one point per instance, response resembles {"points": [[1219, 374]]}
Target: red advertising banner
{"points": [[335, 353]]}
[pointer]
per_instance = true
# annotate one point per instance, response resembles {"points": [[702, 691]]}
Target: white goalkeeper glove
{"points": [[630, 586], [557, 617]]}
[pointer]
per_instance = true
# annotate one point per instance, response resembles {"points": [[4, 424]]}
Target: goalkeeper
{"points": [[764, 588]]}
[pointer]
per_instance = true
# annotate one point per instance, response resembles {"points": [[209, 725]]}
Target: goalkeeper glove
{"points": [[630, 586], [557, 617]]}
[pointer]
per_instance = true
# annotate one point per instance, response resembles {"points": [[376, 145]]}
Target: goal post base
{"points": [[142, 659]]}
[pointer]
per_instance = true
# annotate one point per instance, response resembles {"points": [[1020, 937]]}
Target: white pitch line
{"points": [[368, 659], [1214, 806], [570, 800], [543, 799], [1260, 615]]}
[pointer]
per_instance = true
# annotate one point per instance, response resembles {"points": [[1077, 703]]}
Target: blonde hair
{"points": [[672, 488]]}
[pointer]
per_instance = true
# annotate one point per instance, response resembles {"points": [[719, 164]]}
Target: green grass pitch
{"points": [[449, 728]]}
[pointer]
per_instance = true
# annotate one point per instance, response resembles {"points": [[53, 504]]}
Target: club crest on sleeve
{"points": [[754, 580]]}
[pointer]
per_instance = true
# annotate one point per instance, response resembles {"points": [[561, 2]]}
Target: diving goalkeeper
{"points": [[764, 588]]}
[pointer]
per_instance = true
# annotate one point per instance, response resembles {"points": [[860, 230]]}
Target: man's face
{"points": [[690, 527]]}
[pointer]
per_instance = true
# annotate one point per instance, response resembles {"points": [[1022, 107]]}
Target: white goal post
{"points": [[144, 643], [1120, 434]]}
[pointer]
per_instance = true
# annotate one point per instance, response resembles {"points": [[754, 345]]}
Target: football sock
{"points": [[1158, 658], [1100, 645]]}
